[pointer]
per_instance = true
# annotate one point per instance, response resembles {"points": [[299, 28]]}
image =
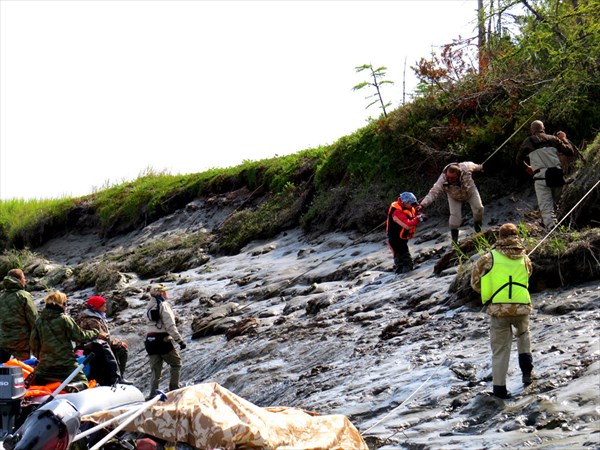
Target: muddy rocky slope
{"points": [[323, 324]]}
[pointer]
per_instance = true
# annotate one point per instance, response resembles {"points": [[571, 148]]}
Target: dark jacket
{"points": [[541, 151]]}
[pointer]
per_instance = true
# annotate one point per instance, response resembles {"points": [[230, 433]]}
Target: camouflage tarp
{"points": [[208, 416]]}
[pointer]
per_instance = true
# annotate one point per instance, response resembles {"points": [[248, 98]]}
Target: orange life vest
{"points": [[393, 229]]}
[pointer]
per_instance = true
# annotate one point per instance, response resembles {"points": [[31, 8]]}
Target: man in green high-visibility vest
{"points": [[502, 278]]}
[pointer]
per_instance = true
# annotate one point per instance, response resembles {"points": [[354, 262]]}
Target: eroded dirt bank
{"points": [[323, 324]]}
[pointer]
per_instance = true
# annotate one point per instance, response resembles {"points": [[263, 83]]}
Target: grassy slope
{"points": [[347, 185], [548, 72]]}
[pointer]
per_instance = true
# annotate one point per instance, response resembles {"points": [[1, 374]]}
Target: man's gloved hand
{"points": [[422, 217], [182, 345]]}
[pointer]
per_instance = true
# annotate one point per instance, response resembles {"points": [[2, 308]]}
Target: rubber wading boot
{"points": [[397, 263], [454, 234], [526, 365], [404, 269], [477, 227], [501, 392]]}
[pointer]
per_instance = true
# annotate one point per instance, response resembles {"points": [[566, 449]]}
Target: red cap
{"points": [[96, 301]]}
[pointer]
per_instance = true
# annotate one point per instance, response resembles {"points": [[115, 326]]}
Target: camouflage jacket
{"points": [[17, 317], [91, 320], [513, 248], [52, 342], [460, 191]]}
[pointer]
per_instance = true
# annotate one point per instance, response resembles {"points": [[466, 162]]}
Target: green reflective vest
{"points": [[506, 282]]}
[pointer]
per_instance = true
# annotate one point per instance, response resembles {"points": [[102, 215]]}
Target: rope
{"points": [[416, 390], [224, 220], [524, 122], [565, 216], [289, 282], [452, 349], [510, 137]]}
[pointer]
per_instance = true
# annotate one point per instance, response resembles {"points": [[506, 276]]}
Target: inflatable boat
{"points": [[51, 422]]}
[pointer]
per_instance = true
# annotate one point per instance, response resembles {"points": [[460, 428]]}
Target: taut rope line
{"points": [[565, 216], [416, 390], [510, 137]]}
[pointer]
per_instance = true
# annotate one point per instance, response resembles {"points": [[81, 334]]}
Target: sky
{"points": [[95, 93]]}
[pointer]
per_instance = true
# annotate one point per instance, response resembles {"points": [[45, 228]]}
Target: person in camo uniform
{"points": [[456, 181], [17, 317], [52, 342]]}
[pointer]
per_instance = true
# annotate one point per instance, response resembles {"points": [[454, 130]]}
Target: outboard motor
{"points": [[50, 427], [12, 391]]}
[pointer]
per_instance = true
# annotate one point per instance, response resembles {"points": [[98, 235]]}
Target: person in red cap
{"points": [[94, 317]]}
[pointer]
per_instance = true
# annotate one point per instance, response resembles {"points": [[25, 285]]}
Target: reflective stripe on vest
{"points": [[507, 281]]}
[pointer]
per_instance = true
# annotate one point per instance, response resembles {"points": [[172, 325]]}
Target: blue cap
{"points": [[408, 198]]}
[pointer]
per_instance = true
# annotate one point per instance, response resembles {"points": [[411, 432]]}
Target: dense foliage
{"points": [[540, 60]]}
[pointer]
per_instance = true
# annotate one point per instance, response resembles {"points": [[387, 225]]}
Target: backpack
{"points": [[555, 177], [154, 313]]}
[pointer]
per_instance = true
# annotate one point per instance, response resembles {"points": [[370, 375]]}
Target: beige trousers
{"points": [[456, 210], [547, 198], [501, 335]]}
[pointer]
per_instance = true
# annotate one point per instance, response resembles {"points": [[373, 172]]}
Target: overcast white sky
{"points": [[96, 92]]}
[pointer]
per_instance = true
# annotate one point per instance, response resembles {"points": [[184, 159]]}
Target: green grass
{"points": [[350, 183]]}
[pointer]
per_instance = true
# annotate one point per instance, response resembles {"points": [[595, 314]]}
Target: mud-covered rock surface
{"points": [[323, 324]]}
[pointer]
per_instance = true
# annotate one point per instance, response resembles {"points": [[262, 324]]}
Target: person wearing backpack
{"points": [[542, 150], [161, 335], [502, 278]]}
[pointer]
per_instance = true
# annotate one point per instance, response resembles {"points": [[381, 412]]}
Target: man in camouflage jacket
{"points": [[508, 304], [456, 181], [52, 341], [17, 317]]}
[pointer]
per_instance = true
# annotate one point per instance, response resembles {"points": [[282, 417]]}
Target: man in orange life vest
{"points": [[402, 220]]}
